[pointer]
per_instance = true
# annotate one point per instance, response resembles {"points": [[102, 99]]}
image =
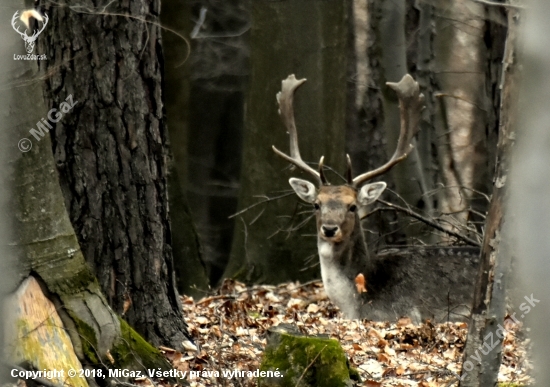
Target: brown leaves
{"points": [[229, 332]]}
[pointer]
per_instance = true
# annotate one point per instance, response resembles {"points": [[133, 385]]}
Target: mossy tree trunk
{"points": [[309, 39], [110, 153], [44, 240]]}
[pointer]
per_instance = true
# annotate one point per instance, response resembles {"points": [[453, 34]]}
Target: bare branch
{"points": [[394, 207], [496, 4], [266, 199]]}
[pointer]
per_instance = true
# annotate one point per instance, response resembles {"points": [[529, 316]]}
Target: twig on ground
{"points": [[308, 366]]}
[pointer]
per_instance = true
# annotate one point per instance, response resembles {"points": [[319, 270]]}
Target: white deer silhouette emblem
{"points": [[29, 40]]}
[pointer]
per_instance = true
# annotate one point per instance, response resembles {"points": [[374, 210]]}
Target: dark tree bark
{"points": [[218, 69], [110, 152], [309, 39], [190, 270]]}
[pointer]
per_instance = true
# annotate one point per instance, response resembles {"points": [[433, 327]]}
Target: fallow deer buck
{"points": [[421, 283]]}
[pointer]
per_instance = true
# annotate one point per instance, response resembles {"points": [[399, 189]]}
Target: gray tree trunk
{"points": [[44, 241], [529, 201], [388, 20], [489, 306], [309, 39], [462, 108]]}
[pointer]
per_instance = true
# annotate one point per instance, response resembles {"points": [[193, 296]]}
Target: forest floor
{"points": [[229, 332]]}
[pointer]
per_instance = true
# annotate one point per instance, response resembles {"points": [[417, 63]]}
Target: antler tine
{"points": [[286, 110], [349, 172], [411, 104], [324, 180]]}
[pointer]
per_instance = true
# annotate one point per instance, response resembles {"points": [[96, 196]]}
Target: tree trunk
{"points": [[308, 39], [530, 184], [190, 270], [388, 20], [218, 71], [110, 152], [462, 108], [489, 306], [48, 251]]}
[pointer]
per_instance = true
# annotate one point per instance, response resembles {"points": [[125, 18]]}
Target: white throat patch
{"points": [[339, 289]]}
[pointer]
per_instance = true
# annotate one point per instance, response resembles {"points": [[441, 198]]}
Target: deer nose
{"points": [[329, 231]]}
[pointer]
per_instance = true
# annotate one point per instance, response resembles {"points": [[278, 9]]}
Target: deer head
{"points": [[336, 207], [29, 40]]}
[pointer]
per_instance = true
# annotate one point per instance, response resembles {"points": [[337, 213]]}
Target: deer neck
{"points": [[340, 264]]}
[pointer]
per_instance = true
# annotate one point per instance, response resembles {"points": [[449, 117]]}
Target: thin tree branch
{"points": [[308, 366], [494, 3], [394, 207], [267, 199]]}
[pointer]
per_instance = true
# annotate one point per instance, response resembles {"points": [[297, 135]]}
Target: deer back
{"points": [[434, 283]]}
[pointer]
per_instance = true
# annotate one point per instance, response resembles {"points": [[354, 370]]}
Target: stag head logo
{"points": [[25, 16]]}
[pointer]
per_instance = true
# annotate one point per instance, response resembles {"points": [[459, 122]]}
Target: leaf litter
{"points": [[228, 329]]}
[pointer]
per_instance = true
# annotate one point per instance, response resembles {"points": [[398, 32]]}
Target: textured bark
{"points": [[46, 246], [367, 145], [110, 153], [190, 270], [425, 77], [308, 39], [489, 306]]}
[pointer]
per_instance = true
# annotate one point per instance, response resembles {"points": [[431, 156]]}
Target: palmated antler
{"points": [[285, 100], [411, 104]]}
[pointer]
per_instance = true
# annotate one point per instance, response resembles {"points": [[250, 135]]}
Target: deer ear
{"points": [[304, 189], [370, 192]]}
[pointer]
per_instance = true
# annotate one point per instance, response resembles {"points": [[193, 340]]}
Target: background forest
{"points": [[160, 180]]}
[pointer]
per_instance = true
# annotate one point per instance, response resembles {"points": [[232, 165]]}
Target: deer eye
{"points": [[353, 208], [316, 206]]}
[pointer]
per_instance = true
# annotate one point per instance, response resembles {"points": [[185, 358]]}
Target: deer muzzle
{"points": [[330, 232]]}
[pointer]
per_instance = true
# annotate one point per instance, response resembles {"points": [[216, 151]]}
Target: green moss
{"points": [[39, 346], [323, 361], [88, 338], [133, 352], [510, 385], [354, 374], [241, 274]]}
